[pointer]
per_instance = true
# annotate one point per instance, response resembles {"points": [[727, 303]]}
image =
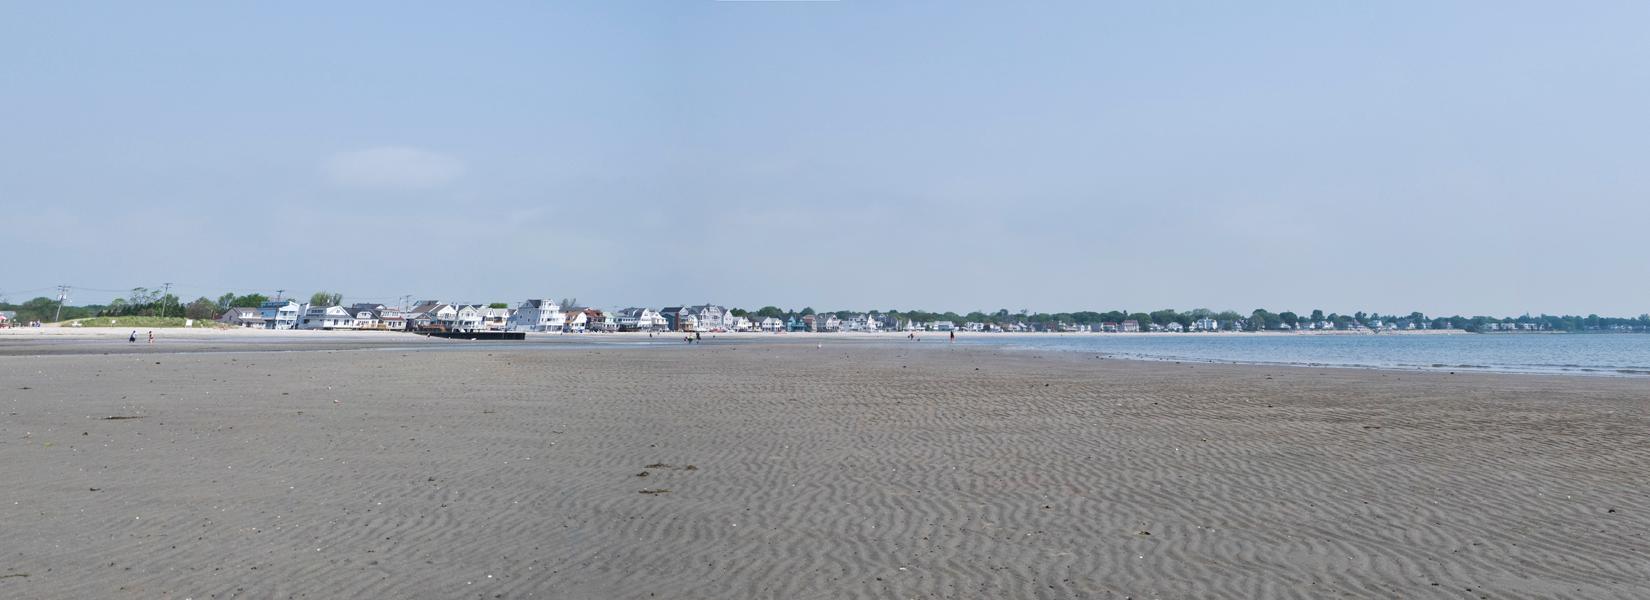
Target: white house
{"points": [[859, 322], [827, 323], [433, 314], [280, 314], [742, 324], [366, 315], [326, 317], [642, 319], [706, 317], [1205, 324], [468, 317], [575, 321], [772, 324], [495, 319], [537, 315], [600, 321], [392, 319]]}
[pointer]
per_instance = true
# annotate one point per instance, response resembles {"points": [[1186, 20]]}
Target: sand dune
{"points": [[853, 471]]}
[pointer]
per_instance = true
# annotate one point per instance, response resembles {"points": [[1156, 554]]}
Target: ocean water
{"points": [[1582, 354]]}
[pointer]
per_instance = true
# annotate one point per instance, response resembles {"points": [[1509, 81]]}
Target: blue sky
{"points": [[1445, 157]]}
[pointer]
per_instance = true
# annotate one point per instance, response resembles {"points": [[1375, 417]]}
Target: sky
{"points": [[1452, 158]]}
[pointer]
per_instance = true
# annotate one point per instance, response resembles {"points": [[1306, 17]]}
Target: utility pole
{"points": [[278, 294], [62, 294], [166, 289]]}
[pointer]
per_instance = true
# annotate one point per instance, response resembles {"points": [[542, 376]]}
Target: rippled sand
{"points": [[760, 470]]}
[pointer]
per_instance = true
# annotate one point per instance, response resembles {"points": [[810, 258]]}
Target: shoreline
{"points": [[23, 342]]}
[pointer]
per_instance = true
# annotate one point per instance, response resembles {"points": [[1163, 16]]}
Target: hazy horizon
{"points": [[1470, 158]]}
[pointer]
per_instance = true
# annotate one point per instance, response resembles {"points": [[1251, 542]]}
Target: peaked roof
{"points": [[240, 313], [426, 307]]}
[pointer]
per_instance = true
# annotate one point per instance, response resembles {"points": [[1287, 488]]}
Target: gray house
{"points": [[250, 318]]}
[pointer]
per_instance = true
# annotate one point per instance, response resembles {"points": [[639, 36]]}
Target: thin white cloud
{"points": [[393, 168]]}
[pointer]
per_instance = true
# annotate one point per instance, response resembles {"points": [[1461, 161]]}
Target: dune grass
{"points": [[137, 322]]}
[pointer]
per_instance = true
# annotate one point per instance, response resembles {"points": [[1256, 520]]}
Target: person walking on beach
{"points": [[132, 339], [953, 337], [151, 337]]}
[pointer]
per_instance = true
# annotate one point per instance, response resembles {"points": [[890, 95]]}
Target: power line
{"points": [[4, 292]]}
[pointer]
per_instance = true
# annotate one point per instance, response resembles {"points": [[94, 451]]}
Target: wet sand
{"points": [[782, 470]]}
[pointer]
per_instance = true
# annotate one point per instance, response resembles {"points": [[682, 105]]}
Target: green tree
{"points": [[1317, 315], [227, 300], [775, 312], [201, 309], [39, 308], [248, 301], [326, 299], [498, 305], [141, 296], [167, 306], [1263, 319]]}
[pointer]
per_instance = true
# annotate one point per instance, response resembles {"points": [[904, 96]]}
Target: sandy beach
{"points": [[211, 467]]}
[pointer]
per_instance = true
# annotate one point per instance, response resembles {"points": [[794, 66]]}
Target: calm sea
{"points": [[1592, 354]]}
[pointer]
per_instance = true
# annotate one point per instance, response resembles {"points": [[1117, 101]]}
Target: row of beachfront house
{"points": [[290, 314], [544, 315], [532, 315], [541, 315]]}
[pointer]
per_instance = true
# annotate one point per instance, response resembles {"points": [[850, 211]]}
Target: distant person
{"points": [[132, 339], [953, 336], [697, 337], [151, 337]]}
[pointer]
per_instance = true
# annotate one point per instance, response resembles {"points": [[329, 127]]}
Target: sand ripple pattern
{"points": [[850, 471]]}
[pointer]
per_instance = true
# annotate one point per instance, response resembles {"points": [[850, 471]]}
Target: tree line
{"points": [[1259, 319], [149, 302]]}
